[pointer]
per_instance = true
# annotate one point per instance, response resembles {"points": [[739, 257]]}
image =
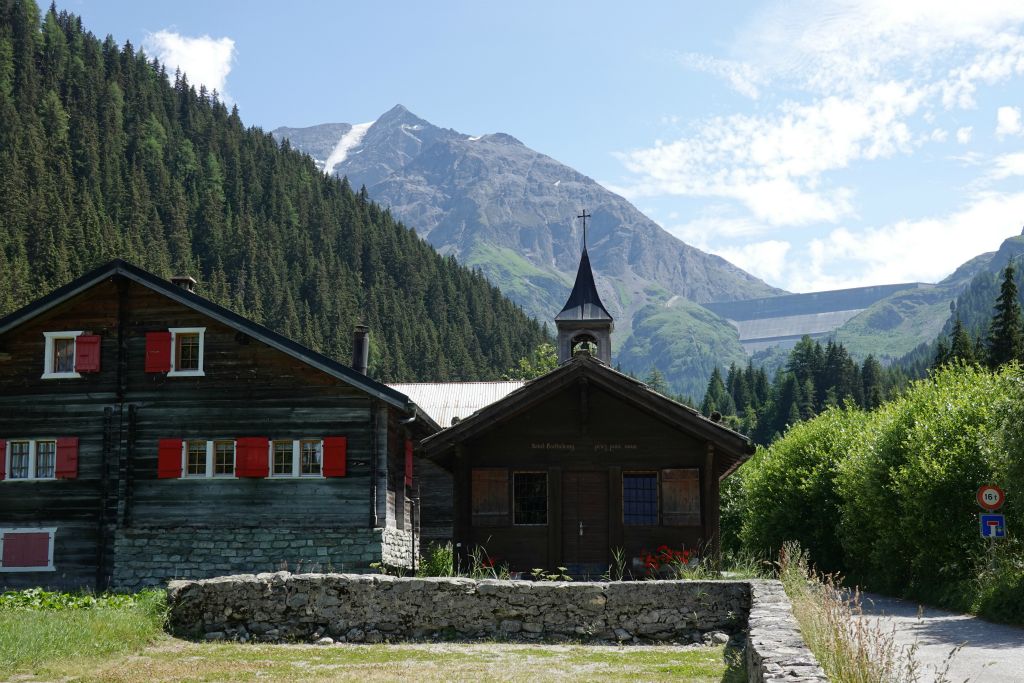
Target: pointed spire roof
{"points": [[584, 303]]}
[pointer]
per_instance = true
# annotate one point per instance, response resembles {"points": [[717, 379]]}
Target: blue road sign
{"points": [[993, 526]]}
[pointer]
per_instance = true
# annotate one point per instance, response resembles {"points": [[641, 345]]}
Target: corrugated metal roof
{"points": [[444, 400]]}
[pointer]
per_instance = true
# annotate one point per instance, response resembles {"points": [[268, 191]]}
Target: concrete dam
{"points": [[783, 320]]}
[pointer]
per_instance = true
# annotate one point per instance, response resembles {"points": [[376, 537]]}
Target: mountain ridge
{"points": [[497, 205]]}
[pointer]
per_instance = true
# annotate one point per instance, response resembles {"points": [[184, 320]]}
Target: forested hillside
{"points": [[101, 157]]}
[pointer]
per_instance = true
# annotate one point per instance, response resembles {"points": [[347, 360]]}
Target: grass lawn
{"points": [[170, 659], [54, 636]]}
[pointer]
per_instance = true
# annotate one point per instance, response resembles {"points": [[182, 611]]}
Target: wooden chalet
{"points": [[147, 433], [583, 460]]}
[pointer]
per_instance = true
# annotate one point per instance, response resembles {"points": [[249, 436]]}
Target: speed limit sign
{"points": [[991, 497]]}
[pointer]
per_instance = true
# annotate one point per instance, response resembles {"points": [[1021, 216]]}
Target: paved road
{"points": [[993, 653]]}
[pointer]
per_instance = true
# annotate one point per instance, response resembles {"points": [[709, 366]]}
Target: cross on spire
{"points": [[584, 216]]}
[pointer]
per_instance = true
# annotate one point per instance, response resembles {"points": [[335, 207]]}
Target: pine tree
{"points": [[1006, 333]]}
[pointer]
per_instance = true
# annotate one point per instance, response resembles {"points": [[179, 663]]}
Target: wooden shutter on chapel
{"points": [[3, 459], [680, 496], [490, 497]]}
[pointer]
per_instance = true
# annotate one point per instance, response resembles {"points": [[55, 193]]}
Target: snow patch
{"points": [[557, 183], [474, 138], [349, 140]]}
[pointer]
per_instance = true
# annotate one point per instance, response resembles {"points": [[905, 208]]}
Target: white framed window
{"points": [[30, 459], [284, 457], [59, 358], [296, 458], [187, 348], [27, 549], [206, 459]]}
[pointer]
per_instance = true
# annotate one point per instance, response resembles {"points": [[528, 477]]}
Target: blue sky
{"points": [[816, 144]]}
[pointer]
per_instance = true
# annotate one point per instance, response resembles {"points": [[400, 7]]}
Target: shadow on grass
{"points": [[736, 667]]}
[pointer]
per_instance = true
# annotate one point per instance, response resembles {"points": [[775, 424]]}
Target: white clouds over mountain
{"points": [[204, 60]]}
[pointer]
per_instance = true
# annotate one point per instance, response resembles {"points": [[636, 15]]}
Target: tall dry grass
{"points": [[851, 648]]}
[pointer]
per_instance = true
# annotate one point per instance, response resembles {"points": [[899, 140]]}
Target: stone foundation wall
{"points": [[775, 648], [150, 556], [358, 608], [398, 548]]}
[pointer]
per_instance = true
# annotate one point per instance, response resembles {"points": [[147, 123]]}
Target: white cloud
{"points": [[1007, 121], [766, 260], [924, 250], [773, 164], [1006, 166], [205, 60], [863, 81], [742, 77]]}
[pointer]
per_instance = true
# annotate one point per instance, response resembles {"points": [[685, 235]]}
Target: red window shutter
{"points": [[252, 457], [67, 457], [408, 462], [26, 550], [158, 352], [87, 353], [169, 459], [335, 450], [3, 458]]}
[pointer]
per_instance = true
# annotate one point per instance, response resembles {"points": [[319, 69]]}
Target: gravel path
{"points": [[992, 653]]}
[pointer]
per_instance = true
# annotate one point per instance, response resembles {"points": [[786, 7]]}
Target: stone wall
{"points": [[150, 556], [775, 648], [358, 608], [399, 548]]}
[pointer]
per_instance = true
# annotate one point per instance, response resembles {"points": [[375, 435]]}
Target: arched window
{"points": [[584, 342]]}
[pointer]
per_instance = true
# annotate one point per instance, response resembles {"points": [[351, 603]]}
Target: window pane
{"points": [[19, 459], [640, 499], [46, 459], [187, 353], [223, 457], [64, 355], [282, 457], [680, 492], [530, 495], [196, 457], [309, 457], [490, 497]]}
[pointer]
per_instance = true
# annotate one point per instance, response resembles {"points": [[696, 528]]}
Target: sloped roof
{"points": [[446, 400], [584, 302], [735, 447], [118, 267]]}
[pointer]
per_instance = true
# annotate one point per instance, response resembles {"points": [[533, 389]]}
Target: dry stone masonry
{"points": [[329, 608], [150, 556], [353, 607], [775, 648]]}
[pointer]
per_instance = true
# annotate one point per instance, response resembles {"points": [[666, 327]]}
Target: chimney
{"points": [[186, 282], [361, 349]]}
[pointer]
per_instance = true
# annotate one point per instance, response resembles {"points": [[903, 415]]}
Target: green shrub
{"points": [[789, 490], [439, 560], [909, 512], [888, 497]]}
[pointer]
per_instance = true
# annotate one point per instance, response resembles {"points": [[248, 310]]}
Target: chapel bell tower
{"points": [[584, 320]]}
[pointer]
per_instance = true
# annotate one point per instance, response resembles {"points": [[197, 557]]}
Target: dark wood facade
{"points": [[622, 467], [255, 383]]}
